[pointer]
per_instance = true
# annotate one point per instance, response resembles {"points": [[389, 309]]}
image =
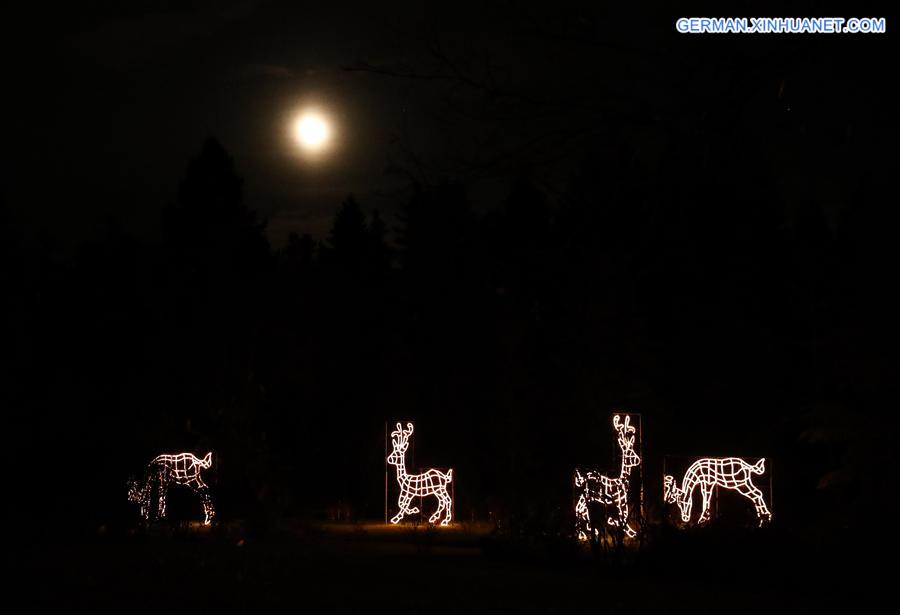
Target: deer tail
{"points": [[759, 467], [450, 475]]}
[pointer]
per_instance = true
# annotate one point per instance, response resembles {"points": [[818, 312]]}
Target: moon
{"points": [[312, 131]]}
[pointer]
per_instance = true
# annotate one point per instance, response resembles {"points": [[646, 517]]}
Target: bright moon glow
{"points": [[312, 131]]}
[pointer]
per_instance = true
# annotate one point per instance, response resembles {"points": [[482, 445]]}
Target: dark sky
{"points": [[114, 101], [109, 102]]}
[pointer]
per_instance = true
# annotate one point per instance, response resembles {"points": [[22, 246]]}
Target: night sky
{"points": [[560, 212], [110, 102], [114, 101]]}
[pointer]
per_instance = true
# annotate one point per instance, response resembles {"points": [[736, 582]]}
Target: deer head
{"points": [[399, 442], [135, 493], [579, 479], [206, 462], [672, 494], [626, 438], [669, 489]]}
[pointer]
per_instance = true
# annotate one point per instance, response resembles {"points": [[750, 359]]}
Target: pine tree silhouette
{"points": [[210, 230], [379, 252], [348, 240]]}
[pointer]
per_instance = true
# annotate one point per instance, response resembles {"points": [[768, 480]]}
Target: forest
{"points": [[734, 323]]}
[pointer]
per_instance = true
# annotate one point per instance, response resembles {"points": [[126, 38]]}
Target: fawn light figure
{"points": [[708, 473], [595, 487], [166, 470], [433, 482]]}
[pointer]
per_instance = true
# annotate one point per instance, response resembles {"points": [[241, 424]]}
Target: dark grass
{"points": [[356, 569]]}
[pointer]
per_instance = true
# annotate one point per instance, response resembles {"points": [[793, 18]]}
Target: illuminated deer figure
{"points": [[596, 487], [728, 472], [166, 470], [433, 482]]}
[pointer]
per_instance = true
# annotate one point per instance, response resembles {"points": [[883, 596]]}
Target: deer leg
{"points": [[706, 492], [145, 500], [750, 491], [448, 506], [402, 503], [202, 491], [208, 511], [161, 500], [583, 518], [440, 509], [156, 502], [623, 517], [609, 501]]}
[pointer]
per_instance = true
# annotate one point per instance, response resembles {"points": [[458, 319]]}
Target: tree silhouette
{"points": [[519, 238], [436, 236], [379, 252], [210, 230], [214, 296], [300, 251], [348, 240]]}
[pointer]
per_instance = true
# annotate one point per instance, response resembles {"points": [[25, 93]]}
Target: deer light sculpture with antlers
{"points": [[166, 470], [595, 487], [708, 473], [433, 482]]}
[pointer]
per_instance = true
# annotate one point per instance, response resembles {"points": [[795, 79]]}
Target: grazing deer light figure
{"points": [[595, 487], [728, 472], [166, 470], [433, 482]]}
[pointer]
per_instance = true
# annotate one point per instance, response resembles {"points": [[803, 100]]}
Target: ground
{"points": [[374, 569]]}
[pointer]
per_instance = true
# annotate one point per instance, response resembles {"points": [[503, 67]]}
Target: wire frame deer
{"points": [[610, 491], [711, 472], [167, 470], [432, 482]]}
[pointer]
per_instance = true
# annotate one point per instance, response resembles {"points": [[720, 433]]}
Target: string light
{"points": [[165, 471], [595, 487], [711, 472], [433, 482]]}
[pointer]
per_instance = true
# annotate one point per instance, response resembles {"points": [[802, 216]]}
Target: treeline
{"points": [[734, 322]]}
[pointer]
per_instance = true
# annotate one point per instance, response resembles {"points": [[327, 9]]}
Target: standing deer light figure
{"points": [[166, 470], [433, 482], [727, 472], [595, 487]]}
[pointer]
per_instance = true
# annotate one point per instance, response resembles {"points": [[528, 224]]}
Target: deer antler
{"points": [[623, 426], [397, 436], [401, 436]]}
